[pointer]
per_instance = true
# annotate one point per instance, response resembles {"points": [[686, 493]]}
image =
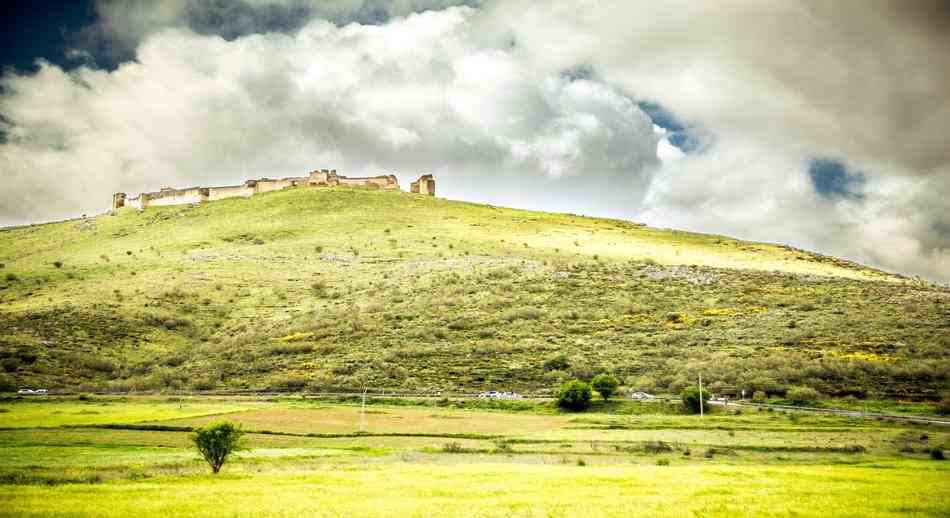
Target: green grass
{"points": [[399, 292], [534, 464], [505, 490], [30, 414]]}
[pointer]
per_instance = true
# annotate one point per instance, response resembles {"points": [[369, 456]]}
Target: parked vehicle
{"points": [[494, 394], [31, 392], [641, 395]]}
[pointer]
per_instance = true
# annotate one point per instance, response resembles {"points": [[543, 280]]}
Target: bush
{"points": [[10, 364], [558, 363], [691, 399], [802, 395], [937, 454], [943, 407], [655, 447], [605, 385], [7, 383], [216, 442], [574, 396], [452, 447], [11, 277], [758, 395]]}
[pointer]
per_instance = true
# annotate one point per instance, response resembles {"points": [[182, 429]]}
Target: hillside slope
{"points": [[314, 289]]}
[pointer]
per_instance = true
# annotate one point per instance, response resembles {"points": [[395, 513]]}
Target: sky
{"points": [[822, 125]]}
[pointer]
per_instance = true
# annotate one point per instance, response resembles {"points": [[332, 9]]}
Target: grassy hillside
{"points": [[315, 289]]}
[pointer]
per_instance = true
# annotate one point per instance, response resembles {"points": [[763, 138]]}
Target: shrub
{"points": [[58, 264], [574, 396], [558, 363], [662, 462], [758, 395], [937, 454], [7, 383], [655, 447], [522, 314], [452, 447], [503, 447], [943, 407], [605, 385], [10, 364], [802, 395], [691, 399], [216, 442], [11, 277]]}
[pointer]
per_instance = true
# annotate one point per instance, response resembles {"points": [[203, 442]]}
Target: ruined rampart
{"points": [[319, 178]]}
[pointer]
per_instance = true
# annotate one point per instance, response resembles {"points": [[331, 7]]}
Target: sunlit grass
{"points": [[477, 489]]}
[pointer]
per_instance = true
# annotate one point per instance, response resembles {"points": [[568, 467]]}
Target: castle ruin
{"points": [[320, 178], [424, 185]]}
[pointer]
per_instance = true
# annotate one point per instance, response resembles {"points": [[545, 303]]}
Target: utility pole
{"points": [[363, 412], [700, 395]]}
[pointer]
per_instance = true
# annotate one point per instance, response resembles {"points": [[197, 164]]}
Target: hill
{"points": [[318, 289]]}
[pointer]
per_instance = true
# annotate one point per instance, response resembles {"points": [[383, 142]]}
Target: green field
{"points": [[308, 456], [326, 289]]}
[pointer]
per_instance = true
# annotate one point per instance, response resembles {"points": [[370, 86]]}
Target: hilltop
{"points": [[321, 289]]}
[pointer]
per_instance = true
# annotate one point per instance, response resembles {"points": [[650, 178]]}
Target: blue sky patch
{"points": [[832, 179], [661, 116], [679, 135]]}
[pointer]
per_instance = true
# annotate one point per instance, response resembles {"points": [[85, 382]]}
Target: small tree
{"points": [[574, 395], [802, 395], [216, 441], [691, 398], [605, 385]]}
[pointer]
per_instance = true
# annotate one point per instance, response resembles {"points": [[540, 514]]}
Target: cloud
{"points": [[772, 82], [422, 93], [123, 24], [510, 103]]}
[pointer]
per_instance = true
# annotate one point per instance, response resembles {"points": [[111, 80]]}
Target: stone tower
{"points": [[424, 185], [118, 200]]}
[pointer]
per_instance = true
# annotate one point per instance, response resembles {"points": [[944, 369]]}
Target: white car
{"points": [[25, 392], [494, 394], [641, 395]]}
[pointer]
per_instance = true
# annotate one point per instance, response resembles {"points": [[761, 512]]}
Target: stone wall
{"points": [[319, 178], [169, 196], [387, 182], [231, 191]]}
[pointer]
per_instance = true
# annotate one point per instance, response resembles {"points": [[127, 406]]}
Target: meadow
{"points": [[310, 456], [310, 290]]}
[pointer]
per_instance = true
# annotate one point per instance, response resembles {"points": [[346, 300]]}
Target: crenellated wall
{"points": [[318, 178]]}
